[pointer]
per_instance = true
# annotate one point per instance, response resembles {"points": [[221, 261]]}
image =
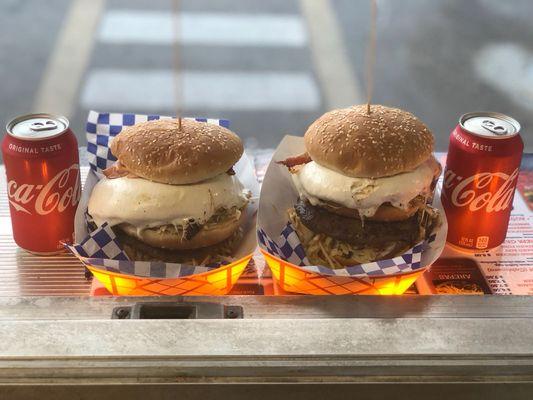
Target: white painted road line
{"points": [[508, 68], [226, 29], [338, 82], [153, 90], [66, 66]]}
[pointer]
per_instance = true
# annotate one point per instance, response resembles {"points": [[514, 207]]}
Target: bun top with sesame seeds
{"points": [[159, 151], [388, 141]]}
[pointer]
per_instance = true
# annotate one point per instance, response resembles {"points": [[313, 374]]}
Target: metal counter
{"points": [[477, 342], [57, 341]]}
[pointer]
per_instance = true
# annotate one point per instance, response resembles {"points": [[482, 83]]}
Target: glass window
{"points": [[271, 67]]}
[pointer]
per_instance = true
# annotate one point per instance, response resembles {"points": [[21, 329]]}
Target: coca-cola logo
{"points": [[478, 191], [62, 191]]}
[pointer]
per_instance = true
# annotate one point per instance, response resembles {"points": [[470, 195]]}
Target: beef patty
{"points": [[355, 231]]}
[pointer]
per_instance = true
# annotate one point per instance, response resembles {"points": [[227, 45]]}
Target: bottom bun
{"points": [[141, 251], [168, 237], [322, 249]]}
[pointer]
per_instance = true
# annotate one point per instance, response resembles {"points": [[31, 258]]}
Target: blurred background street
{"points": [[271, 67]]}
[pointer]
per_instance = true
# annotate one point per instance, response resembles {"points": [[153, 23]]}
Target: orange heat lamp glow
{"points": [[213, 283], [27, 166], [292, 278], [44, 171]]}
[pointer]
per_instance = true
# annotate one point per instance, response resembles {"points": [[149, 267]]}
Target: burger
{"points": [[364, 184], [172, 195]]}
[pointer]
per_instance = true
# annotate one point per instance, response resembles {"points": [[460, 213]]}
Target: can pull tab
{"points": [[491, 126], [43, 126]]}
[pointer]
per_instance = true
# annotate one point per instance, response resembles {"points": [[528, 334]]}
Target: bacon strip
{"points": [[437, 170], [117, 170], [230, 171], [292, 162], [435, 166]]}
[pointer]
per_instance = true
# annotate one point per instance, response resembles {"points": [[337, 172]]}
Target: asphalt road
{"points": [[271, 67]]}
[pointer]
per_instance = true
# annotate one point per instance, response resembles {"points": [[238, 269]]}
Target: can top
{"points": [[490, 124], [37, 126]]}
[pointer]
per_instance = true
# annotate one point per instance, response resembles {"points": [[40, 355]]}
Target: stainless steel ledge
{"points": [[283, 307], [281, 339]]}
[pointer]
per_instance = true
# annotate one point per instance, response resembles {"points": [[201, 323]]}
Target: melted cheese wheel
{"points": [[145, 204], [317, 184]]}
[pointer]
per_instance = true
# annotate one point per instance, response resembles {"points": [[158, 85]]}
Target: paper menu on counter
{"points": [[505, 270]]}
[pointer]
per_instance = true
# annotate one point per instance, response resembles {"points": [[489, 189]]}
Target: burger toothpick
{"points": [[176, 60], [371, 55]]}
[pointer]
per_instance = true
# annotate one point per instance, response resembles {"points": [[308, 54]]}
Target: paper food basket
{"points": [[101, 253], [285, 254]]}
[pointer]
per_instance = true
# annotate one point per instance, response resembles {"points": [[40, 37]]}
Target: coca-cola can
{"points": [[480, 179], [43, 181]]}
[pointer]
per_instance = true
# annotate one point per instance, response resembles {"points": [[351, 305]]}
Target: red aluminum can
{"points": [[43, 181], [480, 179]]}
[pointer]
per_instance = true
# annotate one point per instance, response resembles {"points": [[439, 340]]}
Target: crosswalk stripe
{"points": [[68, 61], [227, 29], [153, 90], [330, 56], [508, 68]]}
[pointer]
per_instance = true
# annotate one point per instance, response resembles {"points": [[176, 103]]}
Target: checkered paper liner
{"points": [[289, 248], [100, 248], [101, 127], [277, 236]]}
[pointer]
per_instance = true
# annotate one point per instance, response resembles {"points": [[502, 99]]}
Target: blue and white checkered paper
{"points": [[101, 248], [289, 248], [103, 127]]}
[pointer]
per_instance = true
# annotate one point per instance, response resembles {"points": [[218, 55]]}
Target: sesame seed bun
{"points": [[388, 141], [159, 151]]}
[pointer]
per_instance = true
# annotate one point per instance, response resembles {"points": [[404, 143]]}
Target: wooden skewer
{"points": [[371, 55], [176, 60]]}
